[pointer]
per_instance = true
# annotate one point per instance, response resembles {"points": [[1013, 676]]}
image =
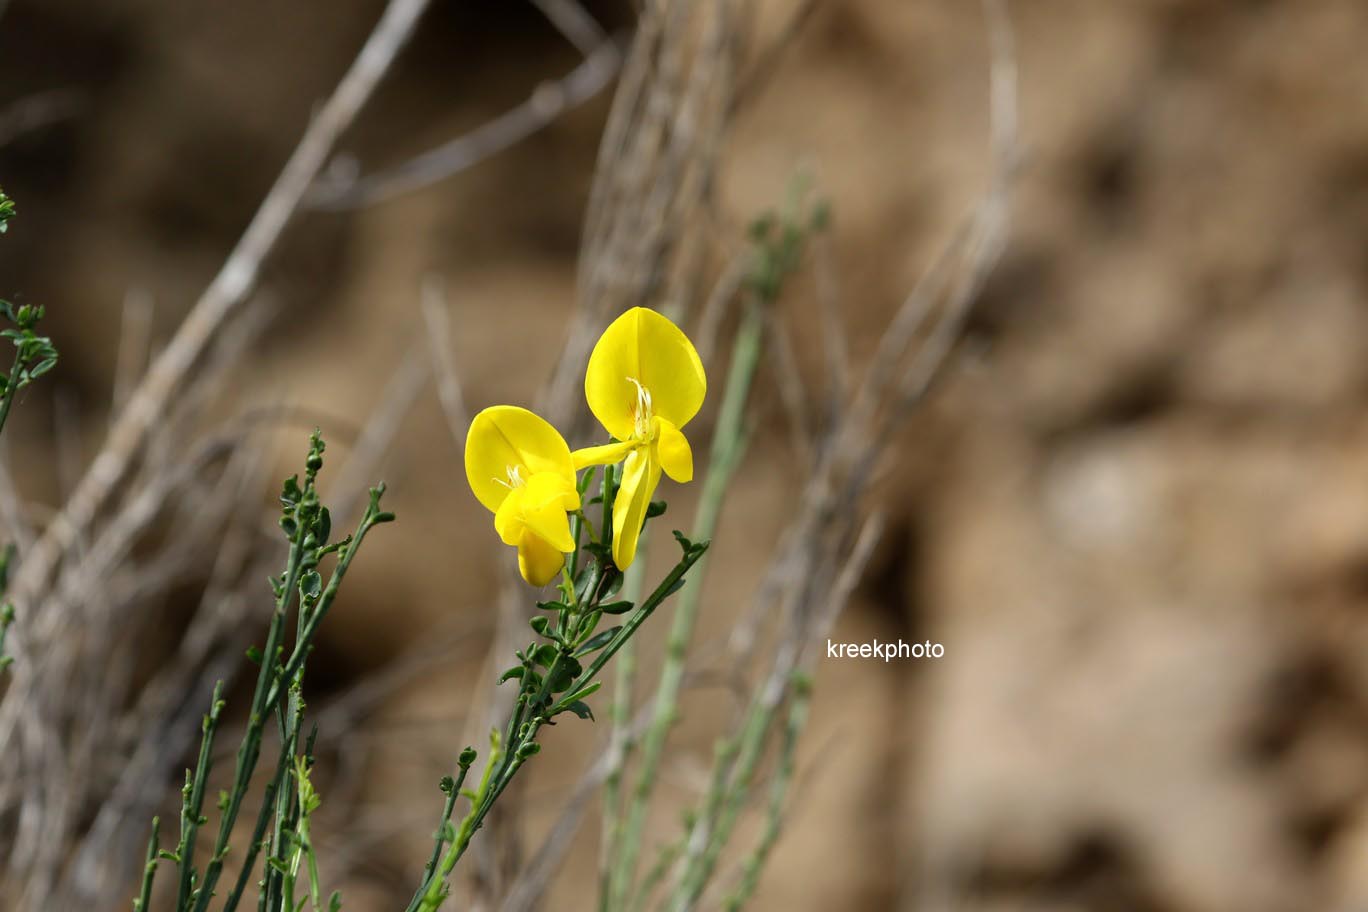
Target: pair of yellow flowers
{"points": [[644, 382]]}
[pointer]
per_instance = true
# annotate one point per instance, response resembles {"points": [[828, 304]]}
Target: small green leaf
{"points": [[655, 508], [517, 671], [565, 675], [597, 641], [540, 623], [310, 585], [585, 691], [616, 607], [581, 709]]}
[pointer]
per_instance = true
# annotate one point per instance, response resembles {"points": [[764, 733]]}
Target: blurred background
{"points": [[1135, 510]]}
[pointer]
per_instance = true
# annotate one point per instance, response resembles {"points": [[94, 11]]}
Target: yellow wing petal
{"points": [[673, 451], [640, 475], [508, 519], [503, 436], [646, 347], [538, 562], [607, 454]]}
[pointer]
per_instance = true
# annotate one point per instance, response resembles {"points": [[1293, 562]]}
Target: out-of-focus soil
{"points": [[1136, 514]]}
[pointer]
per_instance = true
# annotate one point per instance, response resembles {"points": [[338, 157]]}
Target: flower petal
{"points": [[673, 451], [647, 347], [538, 562], [503, 436], [508, 519], [545, 499], [640, 475], [607, 454]]}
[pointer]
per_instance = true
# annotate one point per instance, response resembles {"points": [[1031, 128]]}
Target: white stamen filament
{"points": [[515, 479], [642, 412]]}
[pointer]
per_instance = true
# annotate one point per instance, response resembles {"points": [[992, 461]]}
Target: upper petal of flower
{"points": [[643, 347], [505, 436]]}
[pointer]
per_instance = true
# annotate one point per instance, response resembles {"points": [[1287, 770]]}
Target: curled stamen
{"points": [[515, 479]]}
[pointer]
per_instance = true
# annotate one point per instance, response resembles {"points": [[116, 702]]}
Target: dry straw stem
{"points": [[225, 293], [550, 100], [50, 750]]}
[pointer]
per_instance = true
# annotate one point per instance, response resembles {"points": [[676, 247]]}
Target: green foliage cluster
{"points": [[34, 356]]}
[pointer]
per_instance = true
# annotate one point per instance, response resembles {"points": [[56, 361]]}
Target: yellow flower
{"points": [[520, 468], [644, 382]]}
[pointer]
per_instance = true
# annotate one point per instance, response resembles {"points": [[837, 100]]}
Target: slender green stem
{"points": [[439, 839], [729, 443], [725, 800], [250, 748], [666, 856], [6, 619], [268, 689], [258, 837], [149, 870], [620, 739], [11, 388], [728, 794], [277, 890], [434, 891], [779, 786], [192, 801], [524, 742]]}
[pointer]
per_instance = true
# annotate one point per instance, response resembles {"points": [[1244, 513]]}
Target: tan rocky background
{"points": [[1136, 515]]}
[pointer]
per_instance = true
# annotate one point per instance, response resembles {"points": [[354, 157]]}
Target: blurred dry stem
{"points": [[64, 719]]}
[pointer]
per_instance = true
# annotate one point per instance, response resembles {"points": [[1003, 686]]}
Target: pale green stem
{"points": [[620, 740], [729, 443], [779, 786]]}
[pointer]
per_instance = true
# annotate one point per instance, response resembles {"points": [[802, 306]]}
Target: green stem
{"points": [[620, 739], [6, 619], [192, 803], [258, 836], [250, 749], [149, 870], [729, 443], [727, 797], [434, 891], [523, 745], [774, 820], [277, 890], [439, 838], [11, 388], [268, 689]]}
